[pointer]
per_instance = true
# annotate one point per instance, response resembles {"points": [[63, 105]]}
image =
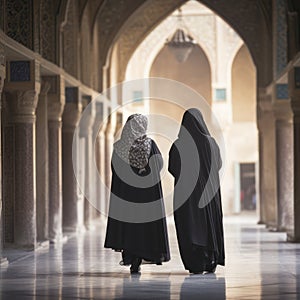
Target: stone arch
{"points": [[195, 72], [243, 79], [249, 21], [153, 44]]}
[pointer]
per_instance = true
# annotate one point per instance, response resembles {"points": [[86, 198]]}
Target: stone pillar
{"points": [[42, 187], [294, 94], [99, 154], [2, 78], [267, 160], [56, 102], [71, 116], [119, 125], [109, 141], [23, 87], [101, 125], [284, 157], [86, 134]]}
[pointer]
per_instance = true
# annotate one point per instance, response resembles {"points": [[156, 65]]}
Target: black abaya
{"points": [[199, 228], [149, 240]]}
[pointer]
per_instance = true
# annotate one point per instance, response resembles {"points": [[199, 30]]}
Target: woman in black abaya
{"points": [[129, 230], [197, 207]]}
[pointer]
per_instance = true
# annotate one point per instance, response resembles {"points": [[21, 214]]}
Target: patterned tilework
{"points": [[71, 94], [282, 91], [281, 30], [137, 96], [220, 95], [19, 71], [297, 78], [19, 21]]}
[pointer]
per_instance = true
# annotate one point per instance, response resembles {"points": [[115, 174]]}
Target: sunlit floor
{"points": [[260, 265]]}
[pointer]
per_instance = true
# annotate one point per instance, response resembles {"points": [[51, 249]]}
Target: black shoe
{"points": [[211, 268], [135, 266], [195, 272]]}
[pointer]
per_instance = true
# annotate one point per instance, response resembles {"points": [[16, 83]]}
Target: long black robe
{"points": [[149, 240], [199, 229]]}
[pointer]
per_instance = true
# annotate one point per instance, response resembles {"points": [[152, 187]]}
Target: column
{"points": [[71, 193], [109, 141], [294, 94], [3, 260], [284, 157], [86, 136], [56, 102], [267, 159], [22, 87], [42, 187], [100, 124], [97, 128]]}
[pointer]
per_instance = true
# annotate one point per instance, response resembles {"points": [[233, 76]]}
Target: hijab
{"points": [[134, 146], [208, 150], [194, 123]]}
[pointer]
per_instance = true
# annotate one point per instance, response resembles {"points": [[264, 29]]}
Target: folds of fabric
{"points": [[148, 240], [198, 220]]}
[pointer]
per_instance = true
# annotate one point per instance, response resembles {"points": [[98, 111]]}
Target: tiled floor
{"points": [[260, 265]]}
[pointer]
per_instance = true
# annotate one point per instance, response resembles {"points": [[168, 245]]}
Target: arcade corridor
{"points": [[260, 265], [58, 56]]}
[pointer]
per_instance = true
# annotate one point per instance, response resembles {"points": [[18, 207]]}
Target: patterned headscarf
{"points": [[134, 146]]}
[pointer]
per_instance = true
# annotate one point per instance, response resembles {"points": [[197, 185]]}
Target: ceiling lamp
{"points": [[181, 43]]}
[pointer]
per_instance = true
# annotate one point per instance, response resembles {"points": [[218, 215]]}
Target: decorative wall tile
{"points": [[71, 94], [137, 96], [19, 71], [282, 91], [220, 94], [297, 78], [281, 32]]}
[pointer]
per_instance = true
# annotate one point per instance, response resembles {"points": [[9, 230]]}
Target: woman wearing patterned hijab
{"points": [[136, 193]]}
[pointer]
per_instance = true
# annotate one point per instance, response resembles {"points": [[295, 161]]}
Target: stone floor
{"points": [[260, 265]]}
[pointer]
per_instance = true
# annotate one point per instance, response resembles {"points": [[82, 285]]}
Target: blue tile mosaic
{"points": [[282, 91], [220, 94], [19, 71]]}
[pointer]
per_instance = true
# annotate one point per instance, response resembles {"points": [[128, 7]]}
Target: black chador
{"points": [[195, 161]]}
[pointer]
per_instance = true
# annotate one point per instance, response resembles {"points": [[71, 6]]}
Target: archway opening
{"points": [[220, 68]]}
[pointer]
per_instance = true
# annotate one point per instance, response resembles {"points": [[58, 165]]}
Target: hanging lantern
{"points": [[181, 43]]}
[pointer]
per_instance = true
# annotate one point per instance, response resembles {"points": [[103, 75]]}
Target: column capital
{"points": [[265, 99], [55, 97], [88, 116], [264, 106], [72, 109], [23, 84]]}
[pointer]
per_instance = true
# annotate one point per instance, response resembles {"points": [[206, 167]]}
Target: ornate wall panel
{"points": [[48, 30], [112, 15], [280, 14], [18, 22], [2, 14], [70, 40], [149, 16], [85, 49]]}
